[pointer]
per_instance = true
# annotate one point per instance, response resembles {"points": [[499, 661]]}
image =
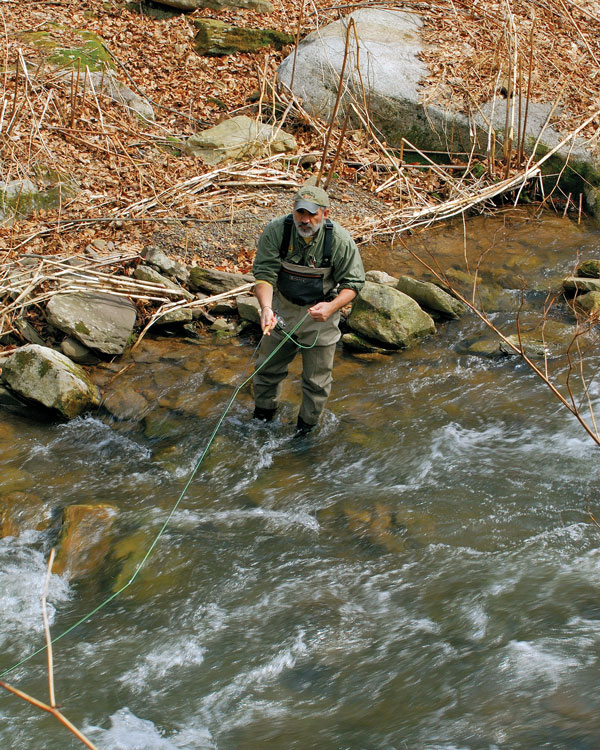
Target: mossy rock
{"points": [[589, 268], [219, 38], [87, 52]]}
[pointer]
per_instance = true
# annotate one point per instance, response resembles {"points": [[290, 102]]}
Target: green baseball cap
{"points": [[311, 198]]}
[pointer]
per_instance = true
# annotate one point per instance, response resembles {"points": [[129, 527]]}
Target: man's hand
{"points": [[321, 311], [268, 320]]}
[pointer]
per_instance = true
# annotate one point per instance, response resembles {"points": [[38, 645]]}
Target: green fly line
{"points": [[286, 337]]}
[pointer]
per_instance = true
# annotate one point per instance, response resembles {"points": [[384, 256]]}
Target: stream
{"points": [[419, 574]]}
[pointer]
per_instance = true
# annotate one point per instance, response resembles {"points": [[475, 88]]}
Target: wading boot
{"points": [[302, 428], [264, 415]]}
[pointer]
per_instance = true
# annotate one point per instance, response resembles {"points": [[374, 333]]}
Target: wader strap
{"points": [[287, 233]]}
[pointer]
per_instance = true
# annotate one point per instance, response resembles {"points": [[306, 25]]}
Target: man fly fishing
{"points": [[305, 265]]}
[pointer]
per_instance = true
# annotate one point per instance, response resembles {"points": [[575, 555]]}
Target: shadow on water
{"points": [[418, 573]]}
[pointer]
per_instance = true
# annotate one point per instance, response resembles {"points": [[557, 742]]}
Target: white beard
{"points": [[308, 230]]}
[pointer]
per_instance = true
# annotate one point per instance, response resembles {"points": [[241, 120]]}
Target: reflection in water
{"points": [[420, 573]]}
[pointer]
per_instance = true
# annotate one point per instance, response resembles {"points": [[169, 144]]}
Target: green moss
{"points": [[89, 54], [81, 327], [43, 368]]}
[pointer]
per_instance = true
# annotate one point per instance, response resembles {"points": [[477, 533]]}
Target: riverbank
{"points": [[119, 178]]}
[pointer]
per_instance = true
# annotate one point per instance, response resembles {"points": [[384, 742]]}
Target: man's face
{"points": [[309, 224]]}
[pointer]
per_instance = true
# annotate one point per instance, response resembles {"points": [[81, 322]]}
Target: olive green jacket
{"points": [[346, 264]]}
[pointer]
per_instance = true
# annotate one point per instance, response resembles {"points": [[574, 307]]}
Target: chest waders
{"points": [[305, 285]]}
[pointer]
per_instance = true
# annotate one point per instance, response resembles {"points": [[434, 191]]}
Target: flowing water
{"points": [[421, 573]]}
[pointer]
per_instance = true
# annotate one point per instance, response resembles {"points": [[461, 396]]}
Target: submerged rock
{"points": [[84, 540], [389, 316], [381, 528], [126, 403], [49, 378], [20, 511]]}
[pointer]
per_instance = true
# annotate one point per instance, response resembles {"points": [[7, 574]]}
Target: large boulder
{"points": [[216, 37], [100, 321], [431, 296], [389, 316], [49, 378], [239, 138], [388, 66]]}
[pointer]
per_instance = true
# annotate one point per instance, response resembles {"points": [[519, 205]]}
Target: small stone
{"points": [[77, 352]]}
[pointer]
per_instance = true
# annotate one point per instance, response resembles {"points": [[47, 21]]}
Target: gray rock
{"points": [[221, 324], [431, 296], [226, 307], [389, 67], [49, 378], [389, 316], [391, 71], [145, 273], [237, 139], [356, 343], [107, 83], [180, 315], [101, 322], [381, 277], [215, 282], [28, 332], [22, 197], [77, 352], [156, 257], [249, 308]]}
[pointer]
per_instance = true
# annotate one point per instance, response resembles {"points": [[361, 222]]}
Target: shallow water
{"points": [[420, 573]]}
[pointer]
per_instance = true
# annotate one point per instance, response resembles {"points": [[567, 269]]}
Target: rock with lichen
{"points": [[47, 377]]}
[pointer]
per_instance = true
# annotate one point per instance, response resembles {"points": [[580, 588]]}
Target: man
{"points": [[304, 262]]}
